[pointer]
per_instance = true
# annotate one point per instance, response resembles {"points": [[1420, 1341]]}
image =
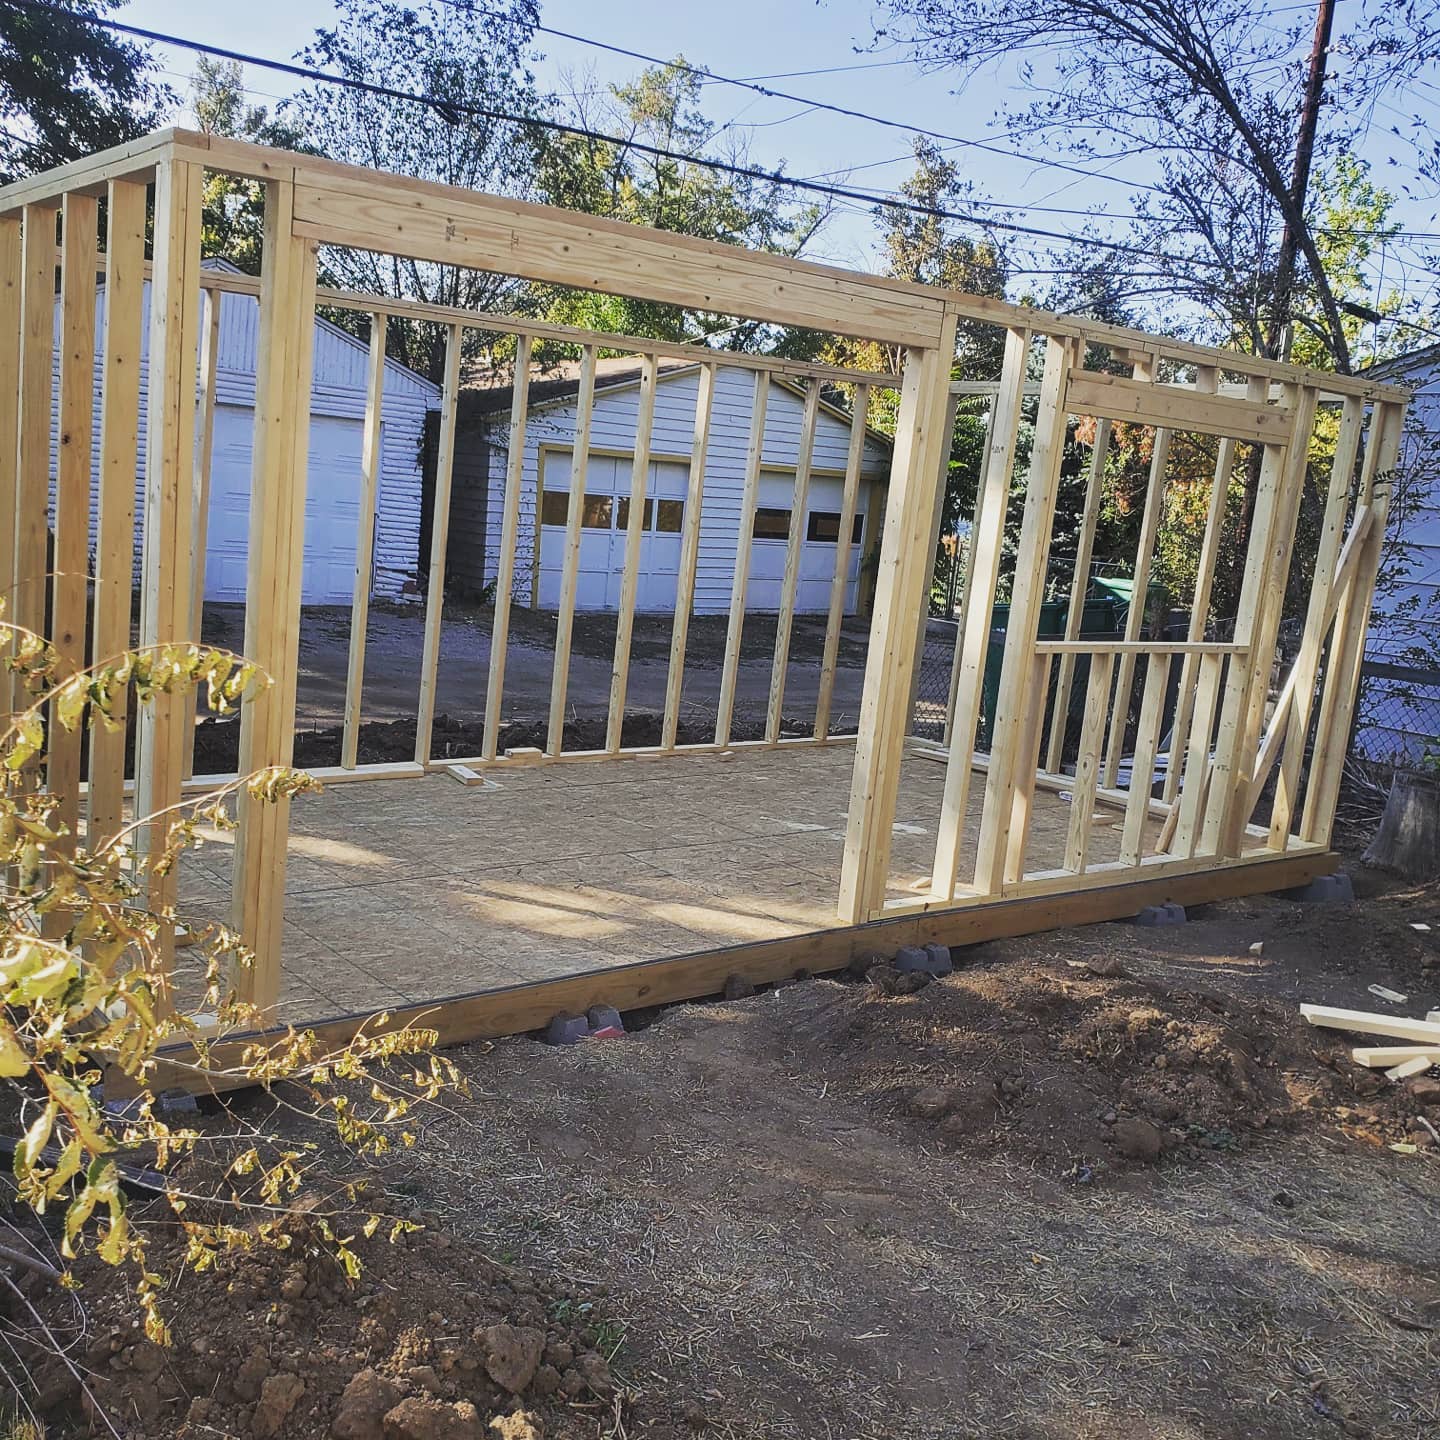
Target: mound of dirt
{"points": [[1080, 1066], [279, 1344]]}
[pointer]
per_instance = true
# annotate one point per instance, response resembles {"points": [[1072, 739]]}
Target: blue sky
{"points": [[752, 38]]}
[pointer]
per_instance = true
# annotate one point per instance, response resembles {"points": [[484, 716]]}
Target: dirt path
{"points": [[761, 1194]]}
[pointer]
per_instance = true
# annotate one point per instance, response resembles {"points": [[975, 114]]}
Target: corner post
{"points": [[273, 582], [166, 558]]}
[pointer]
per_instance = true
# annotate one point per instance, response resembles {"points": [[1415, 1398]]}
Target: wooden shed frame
{"points": [[1228, 739]]}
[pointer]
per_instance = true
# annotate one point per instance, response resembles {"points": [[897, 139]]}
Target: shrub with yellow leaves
{"points": [[86, 1000]]}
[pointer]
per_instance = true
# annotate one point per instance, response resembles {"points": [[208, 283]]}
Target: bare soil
{"points": [[1098, 1182]]}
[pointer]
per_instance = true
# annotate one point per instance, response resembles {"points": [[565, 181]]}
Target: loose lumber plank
{"points": [[125, 224], [973, 640], [634, 540], [794, 545], [1379, 1057], [1141, 402], [509, 544], [370, 460], [884, 701], [74, 453], [1079, 585], [273, 581], [689, 556], [166, 558], [1417, 1065], [1364, 1022], [439, 542], [744, 543], [840, 581], [517, 1009]]}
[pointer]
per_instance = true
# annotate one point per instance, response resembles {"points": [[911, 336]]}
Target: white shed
{"points": [[337, 409], [549, 448], [1399, 716]]}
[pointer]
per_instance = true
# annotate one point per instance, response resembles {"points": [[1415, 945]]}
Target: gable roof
{"points": [[484, 394], [1402, 367]]}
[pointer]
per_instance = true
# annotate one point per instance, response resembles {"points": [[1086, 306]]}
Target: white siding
{"points": [[1402, 716], [613, 427], [337, 393]]}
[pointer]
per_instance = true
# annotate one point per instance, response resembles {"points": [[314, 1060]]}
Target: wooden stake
{"points": [[12, 321]]}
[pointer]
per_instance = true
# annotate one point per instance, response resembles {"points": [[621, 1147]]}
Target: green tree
{"points": [[624, 181], [68, 88], [1205, 91], [473, 69], [235, 209]]}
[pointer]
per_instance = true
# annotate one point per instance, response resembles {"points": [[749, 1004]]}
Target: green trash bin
{"points": [[1103, 617]]}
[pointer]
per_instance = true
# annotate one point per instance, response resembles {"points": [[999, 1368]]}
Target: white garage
{"points": [[337, 407], [548, 462]]}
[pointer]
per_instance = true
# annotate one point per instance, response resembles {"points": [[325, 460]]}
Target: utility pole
{"points": [[1277, 341]]}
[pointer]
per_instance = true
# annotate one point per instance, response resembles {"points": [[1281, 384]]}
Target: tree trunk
{"points": [[1408, 840]]}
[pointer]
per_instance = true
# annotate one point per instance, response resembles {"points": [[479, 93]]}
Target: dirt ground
{"points": [[1101, 1182]]}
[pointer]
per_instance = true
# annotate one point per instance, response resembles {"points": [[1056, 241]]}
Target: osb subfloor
{"points": [[403, 891]]}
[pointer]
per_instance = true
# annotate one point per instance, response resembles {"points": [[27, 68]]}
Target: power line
{"points": [[710, 77], [450, 111]]}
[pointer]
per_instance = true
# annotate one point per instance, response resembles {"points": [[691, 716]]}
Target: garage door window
{"points": [[622, 514], [771, 523], [824, 526], [595, 513], [671, 517]]}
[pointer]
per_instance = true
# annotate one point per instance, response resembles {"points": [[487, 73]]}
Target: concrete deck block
{"points": [[567, 1030], [1154, 916], [605, 1022], [940, 959], [933, 960], [1324, 890]]}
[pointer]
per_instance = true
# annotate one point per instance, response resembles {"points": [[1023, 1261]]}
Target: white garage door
{"points": [[817, 552], [332, 508], [602, 535]]}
